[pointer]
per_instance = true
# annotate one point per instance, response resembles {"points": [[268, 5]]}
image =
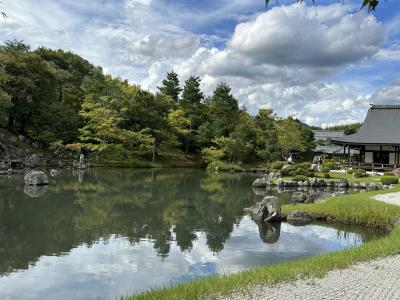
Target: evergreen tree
{"points": [[170, 86], [224, 110]]}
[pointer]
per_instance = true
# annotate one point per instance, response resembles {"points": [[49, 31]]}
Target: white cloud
{"points": [[389, 94], [282, 58]]}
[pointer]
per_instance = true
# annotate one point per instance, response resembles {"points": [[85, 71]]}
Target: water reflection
{"points": [[111, 232]]}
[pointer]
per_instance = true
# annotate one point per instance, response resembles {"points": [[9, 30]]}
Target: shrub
{"points": [[325, 170], [288, 170], [300, 178], [300, 171], [277, 165], [329, 165], [360, 174], [304, 165], [326, 175], [389, 180], [222, 166], [388, 174], [350, 171]]}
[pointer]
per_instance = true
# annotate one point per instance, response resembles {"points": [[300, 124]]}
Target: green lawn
{"points": [[349, 177], [357, 208]]}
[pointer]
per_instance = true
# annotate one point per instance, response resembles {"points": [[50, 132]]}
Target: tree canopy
{"points": [[59, 99]]}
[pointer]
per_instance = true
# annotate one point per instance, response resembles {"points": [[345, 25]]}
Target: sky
{"points": [[324, 64]]}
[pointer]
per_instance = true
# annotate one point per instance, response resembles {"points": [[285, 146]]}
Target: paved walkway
{"points": [[379, 279]]}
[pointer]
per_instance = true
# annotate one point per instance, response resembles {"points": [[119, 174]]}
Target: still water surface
{"points": [[106, 233]]}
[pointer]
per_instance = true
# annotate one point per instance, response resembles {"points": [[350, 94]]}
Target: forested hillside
{"points": [[64, 102]]}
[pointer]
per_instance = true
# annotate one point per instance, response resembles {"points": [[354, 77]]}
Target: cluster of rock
{"points": [[305, 197], [269, 211], [318, 182]]}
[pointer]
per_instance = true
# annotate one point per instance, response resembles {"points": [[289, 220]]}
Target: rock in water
{"points": [[54, 172], [268, 210], [35, 178], [299, 218], [261, 182]]}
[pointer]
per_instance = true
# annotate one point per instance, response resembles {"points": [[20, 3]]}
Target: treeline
{"points": [[61, 100], [347, 128]]}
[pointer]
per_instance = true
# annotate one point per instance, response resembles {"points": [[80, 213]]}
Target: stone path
{"points": [[378, 279]]}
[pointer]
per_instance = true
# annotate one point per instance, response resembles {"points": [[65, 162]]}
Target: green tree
{"points": [[224, 110], [290, 137], [170, 86], [266, 132], [5, 100], [191, 102]]}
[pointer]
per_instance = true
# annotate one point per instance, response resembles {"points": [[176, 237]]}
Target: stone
{"points": [[314, 168], [275, 175], [392, 186], [35, 178], [280, 182], [342, 183], [299, 218], [299, 197], [32, 161], [261, 182], [313, 182], [268, 210], [286, 167], [54, 172]]}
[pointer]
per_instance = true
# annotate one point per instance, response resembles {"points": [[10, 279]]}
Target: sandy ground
{"points": [[378, 279]]}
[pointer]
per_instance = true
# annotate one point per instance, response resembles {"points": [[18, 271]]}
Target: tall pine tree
{"points": [[170, 86]]}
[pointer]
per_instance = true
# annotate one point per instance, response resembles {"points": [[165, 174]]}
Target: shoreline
{"points": [[360, 208]]}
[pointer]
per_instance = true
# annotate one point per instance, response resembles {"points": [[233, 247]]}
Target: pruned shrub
{"points": [[350, 171], [360, 174], [389, 180], [388, 174], [325, 170], [277, 165], [300, 178]]}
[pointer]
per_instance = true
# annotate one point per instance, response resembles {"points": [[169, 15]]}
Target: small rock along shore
{"points": [[376, 279]]}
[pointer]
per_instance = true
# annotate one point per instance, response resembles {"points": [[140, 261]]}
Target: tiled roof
{"points": [[381, 126]]}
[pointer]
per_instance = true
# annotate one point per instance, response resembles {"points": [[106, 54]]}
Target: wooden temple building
{"points": [[378, 140]]}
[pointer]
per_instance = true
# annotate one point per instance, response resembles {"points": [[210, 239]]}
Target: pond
{"points": [[105, 232]]}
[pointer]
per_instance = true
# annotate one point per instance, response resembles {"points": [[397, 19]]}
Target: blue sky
{"points": [[321, 63]]}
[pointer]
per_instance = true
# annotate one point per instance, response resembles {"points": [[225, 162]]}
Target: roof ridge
{"points": [[385, 106]]}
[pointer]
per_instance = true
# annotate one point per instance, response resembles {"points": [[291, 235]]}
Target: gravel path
{"points": [[378, 279], [391, 198]]}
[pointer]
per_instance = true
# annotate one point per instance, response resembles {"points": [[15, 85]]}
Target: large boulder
{"points": [[268, 210], [35, 178], [299, 218]]}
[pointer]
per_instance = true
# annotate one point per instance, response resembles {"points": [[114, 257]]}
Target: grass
{"points": [[354, 208], [349, 177]]}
